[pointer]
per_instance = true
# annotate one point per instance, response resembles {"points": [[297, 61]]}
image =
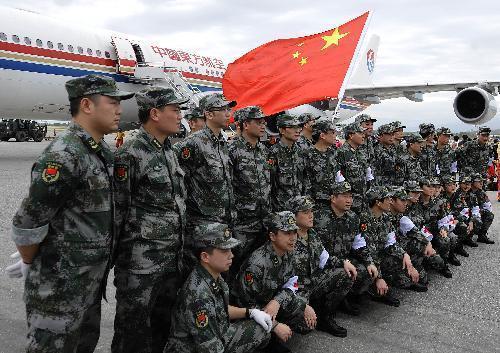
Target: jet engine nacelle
{"points": [[474, 105]]}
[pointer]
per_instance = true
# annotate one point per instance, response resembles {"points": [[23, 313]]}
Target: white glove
{"points": [[465, 212], [454, 167], [323, 258], [427, 233], [438, 171], [339, 178], [391, 239], [444, 222], [262, 318], [19, 269], [292, 284], [358, 242], [476, 212], [405, 225], [487, 206], [369, 174]]}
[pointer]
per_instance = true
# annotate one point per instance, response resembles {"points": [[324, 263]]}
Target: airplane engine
{"points": [[474, 105]]}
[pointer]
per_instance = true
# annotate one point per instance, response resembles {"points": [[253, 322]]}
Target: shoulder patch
{"points": [[248, 278], [186, 153], [121, 172], [270, 161], [50, 173], [201, 318]]}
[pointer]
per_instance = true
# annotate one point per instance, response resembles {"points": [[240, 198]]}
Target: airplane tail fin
{"points": [[363, 73]]}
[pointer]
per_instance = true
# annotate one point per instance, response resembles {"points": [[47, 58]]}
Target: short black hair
{"points": [[144, 113], [208, 250], [74, 104]]}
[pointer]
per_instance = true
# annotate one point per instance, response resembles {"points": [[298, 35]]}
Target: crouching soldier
{"points": [[324, 279], [267, 280], [483, 204], [201, 319]]}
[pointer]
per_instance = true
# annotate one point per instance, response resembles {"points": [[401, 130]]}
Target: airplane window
{"points": [[107, 54], [98, 52], [27, 40], [3, 37], [70, 48], [80, 50], [15, 38], [39, 43], [50, 45], [89, 51], [60, 46]]}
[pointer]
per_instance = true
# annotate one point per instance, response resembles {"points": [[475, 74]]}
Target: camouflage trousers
{"points": [[443, 245], [63, 301], [143, 311], [486, 221], [245, 336], [392, 271]]}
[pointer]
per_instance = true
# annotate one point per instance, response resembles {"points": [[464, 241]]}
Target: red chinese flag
{"points": [[286, 73]]}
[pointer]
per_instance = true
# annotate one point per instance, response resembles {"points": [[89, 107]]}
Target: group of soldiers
{"points": [[224, 246]]}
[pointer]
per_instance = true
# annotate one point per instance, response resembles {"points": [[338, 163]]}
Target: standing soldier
{"points": [[428, 156], [204, 157], [476, 155], [367, 147], [288, 175], [64, 229], [401, 152], [203, 321], [251, 182], [195, 119], [306, 141], [354, 165], [485, 209], [151, 201], [411, 161], [445, 155], [384, 164]]}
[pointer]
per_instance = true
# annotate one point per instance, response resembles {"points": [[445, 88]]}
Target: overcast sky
{"points": [[422, 41]]}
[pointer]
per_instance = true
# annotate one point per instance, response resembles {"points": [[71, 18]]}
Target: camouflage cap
{"points": [[426, 129], [425, 181], [351, 129], [484, 130], [306, 117], [412, 186], [214, 235], [284, 220], [158, 97], [323, 125], [385, 129], [194, 113], [95, 84], [286, 120], [448, 179], [377, 193], [465, 179], [214, 101], [340, 188], [400, 193], [435, 181], [301, 203], [247, 113], [476, 177], [398, 125], [364, 117], [413, 138], [443, 131]]}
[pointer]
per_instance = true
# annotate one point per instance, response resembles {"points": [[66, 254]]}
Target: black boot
{"points": [[469, 242], [349, 308], [387, 299], [483, 238], [275, 345], [452, 259], [459, 249], [446, 272], [418, 287], [329, 325]]}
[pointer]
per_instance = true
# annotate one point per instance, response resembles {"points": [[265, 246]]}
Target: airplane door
{"points": [[125, 54]]}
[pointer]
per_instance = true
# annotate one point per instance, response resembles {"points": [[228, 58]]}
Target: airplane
{"points": [[38, 54]]}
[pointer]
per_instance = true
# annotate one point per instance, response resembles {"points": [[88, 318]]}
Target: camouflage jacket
{"points": [[459, 202], [368, 148], [415, 212], [261, 279], [288, 175], [337, 235], [353, 164], [445, 157], [251, 179], [400, 160], [428, 161], [376, 233], [70, 205], [321, 169], [200, 320], [384, 164], [304, 143], [480, 196], [413, 242], [412, 168], [204, 158], [474, 157], [151, 199]]}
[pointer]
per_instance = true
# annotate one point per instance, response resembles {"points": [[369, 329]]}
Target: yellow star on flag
{"points": [[333, 38], [296, 54], [303, 61]]}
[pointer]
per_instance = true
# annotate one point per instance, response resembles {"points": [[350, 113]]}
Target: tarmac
{"points": [[461, 314]]}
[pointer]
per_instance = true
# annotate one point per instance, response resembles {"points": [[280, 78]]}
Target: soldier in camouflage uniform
{"points": [[384, 165], [202, 314], [445, 156], [476, 155], [324, 279], [251, 182], [394, 264], [305, 140], [64, 229], [321, 166], [410, 163], [428, 160], [400, 152], [485, 207], [151, 200], [461, 210], [204, 157], [195, 119], [267, 280], [338, 228], [354, 165], [367, 147], [288, 173]]}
